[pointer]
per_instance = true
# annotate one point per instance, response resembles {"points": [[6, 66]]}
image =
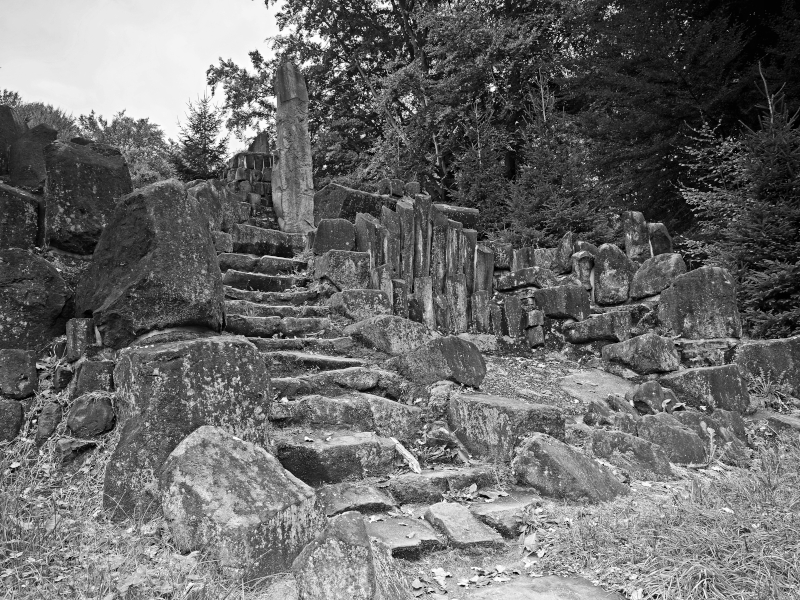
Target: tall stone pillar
{"points": [[292, 182]]}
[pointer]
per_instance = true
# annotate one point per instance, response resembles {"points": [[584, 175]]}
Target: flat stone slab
{"points": [[296, 297], [332, 457], [359, 379], [406, 537], [594, 384], [269, 326], [461, 527], [430, 485], [551, 587], [283, 362], [504, 514], [343, 497], [255, 309], [245, 280], [328, 345], [267, 265]]}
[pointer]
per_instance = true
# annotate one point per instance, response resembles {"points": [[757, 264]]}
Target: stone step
{"points": [[269, 326], [249, 239], [294, 297], [341, 381], [357, 411], [405, 536], [261, 283], [264, 222], [267, 265], [338, 346], [254, 309], [430, 486], [344, 497], [329, 456], [286, 363], [460, 526]]}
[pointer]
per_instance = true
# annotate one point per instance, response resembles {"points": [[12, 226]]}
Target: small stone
{"points": [[91, 415], [555, 469], [599, 413], [461, 527], [12, 417], [594, 384], [251, 515], [18, 376], [648, 353]]}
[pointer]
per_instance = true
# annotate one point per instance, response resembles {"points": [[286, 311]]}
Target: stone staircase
{"points": [[338, 413]]}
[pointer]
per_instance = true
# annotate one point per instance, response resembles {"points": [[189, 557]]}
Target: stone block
{"points": [[713, 387], [529, 277], [390, 334], [563, 302], [660, 240], [26, 163], [656, 274], [562, 258], [613, 326], [334, 234], [468, 217], [18, 376], [460, 526], [484, 270], [636, 235], [444, 358], [91, 415], [12, 418], [345, 270], [777, 359], [648, 353], [405, 213], [80, 336], [19, 214], [613, 273], [360, 304], [641, 458]]}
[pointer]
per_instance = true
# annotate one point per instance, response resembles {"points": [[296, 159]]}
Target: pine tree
{"points": [[201, 151]]}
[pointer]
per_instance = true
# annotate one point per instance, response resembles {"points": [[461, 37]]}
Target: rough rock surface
{"points": [[18, 377], [292, 176], [344, 497], [551, 587], [648, 353], [154, 267], [345, 270], [222, 495], [390, 334], [713, 387], [642, 459], [335, 201], [32, 299], [555, 469], [91, 415], [167, 391], [527, 277], [701, 304], [334, 234], [779, 359], [656, 274], [12, 417], [444, 358], [48, 420], [681, 444], [460, 526], [360, 304], [26, 166], [637, 236], [613, 273], [84, 182], [563, 302], [614, 326], [11, 128], [19, 213], [342, 563], [492, 426]]}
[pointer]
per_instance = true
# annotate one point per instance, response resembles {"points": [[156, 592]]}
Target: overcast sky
{"points": [[146, 56]]}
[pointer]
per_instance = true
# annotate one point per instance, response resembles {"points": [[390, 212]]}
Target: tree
{"points": [[200, 152], [142, 143], [747, 202], [36, 113]]}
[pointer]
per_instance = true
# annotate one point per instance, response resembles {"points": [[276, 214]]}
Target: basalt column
{"points": [[292, 183]]}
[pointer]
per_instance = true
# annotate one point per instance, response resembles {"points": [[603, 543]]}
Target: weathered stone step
{"points": [[289, 362], [255, 309], [269, 326], [260, 282], [317, 457], [341, 381], [339, 345], [430, 486], [362, 412], [460, 526], [405, 536], [295, 297], [248, 239], [344, 497], [267, 265]]}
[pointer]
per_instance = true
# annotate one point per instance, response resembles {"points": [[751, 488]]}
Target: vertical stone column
{"points": [[292, 182]]}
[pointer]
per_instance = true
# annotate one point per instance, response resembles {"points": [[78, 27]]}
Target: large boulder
{"points": [[701, 304], [613, 273], [32, 300], [713, 387], [555, 469], [84, 182], [26, 165], [648, 353], [492, 426], [777, 359], [390, 334], [18, 377], [11, 128], [343, 563], [444, 358], [233, 499], [154, 267], [19, 218], [656, 274], [167, 391]]}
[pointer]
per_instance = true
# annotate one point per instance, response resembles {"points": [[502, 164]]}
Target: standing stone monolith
{"points": [[292, 182]]}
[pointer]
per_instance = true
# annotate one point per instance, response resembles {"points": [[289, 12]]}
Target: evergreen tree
{"points": [[201, 151]]}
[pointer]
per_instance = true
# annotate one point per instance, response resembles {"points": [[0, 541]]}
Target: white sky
{"points": [[146, 56]]}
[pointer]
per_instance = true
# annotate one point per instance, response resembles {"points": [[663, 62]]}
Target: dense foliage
{"points": [[142, 143], [200, 152], [37, 113]]}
